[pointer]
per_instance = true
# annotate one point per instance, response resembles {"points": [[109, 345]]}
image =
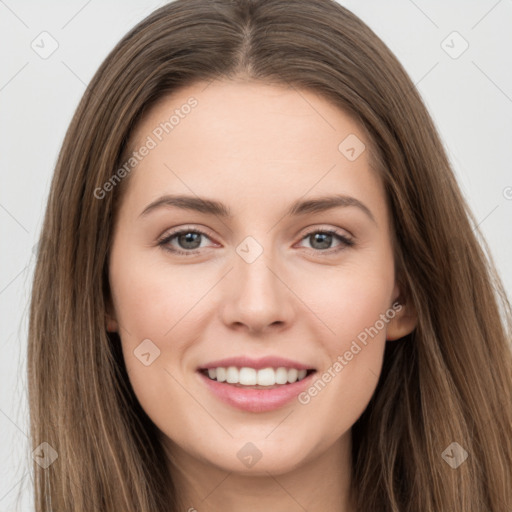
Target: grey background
{"points": [[469, 97]]}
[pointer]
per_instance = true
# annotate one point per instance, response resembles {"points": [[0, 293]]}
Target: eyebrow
{"points": [[297, 208]]}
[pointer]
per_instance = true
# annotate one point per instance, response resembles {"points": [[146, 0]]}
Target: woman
{"points": [[253, 372]]}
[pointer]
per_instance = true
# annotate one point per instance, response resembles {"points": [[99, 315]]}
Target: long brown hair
{"points": [[448, 381]]}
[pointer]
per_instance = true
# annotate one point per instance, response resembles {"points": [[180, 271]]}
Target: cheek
{"points": [[355, 305], [151, 299], [349, 300], [157, 309]]}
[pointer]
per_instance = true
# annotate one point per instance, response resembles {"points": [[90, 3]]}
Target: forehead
{"points": [[241, 115], [251, 140]]}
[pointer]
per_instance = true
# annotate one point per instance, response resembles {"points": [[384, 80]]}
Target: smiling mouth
{"points": [[250, 378]]}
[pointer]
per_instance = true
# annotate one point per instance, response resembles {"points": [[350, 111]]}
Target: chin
{"points": [[259, 456]]}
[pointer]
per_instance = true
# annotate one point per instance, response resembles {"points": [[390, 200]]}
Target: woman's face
{"points": [[264, 280]]}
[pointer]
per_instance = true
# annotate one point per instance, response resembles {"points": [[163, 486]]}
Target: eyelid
{"points": [[185, 227], [313, 228]]}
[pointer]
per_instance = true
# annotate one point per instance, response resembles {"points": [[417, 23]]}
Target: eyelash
{"points": [[164, 242]]}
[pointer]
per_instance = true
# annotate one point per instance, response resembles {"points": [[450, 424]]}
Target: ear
{"points": [[405, 319], [110, 318]]}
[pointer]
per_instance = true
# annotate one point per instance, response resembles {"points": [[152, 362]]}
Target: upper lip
{"points": [[258, 364]]}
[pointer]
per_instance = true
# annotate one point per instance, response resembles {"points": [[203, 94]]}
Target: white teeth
{"points": [[292, 375], [252, 377], [281, 376], [231, 375], [266, 377], [247, 376], [221, 374]]}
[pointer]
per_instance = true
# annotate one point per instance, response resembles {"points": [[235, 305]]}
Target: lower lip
{"points": [[256, 400]]}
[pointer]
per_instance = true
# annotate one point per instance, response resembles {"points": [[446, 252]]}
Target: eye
{"points": [[189, 239], [321, 240]]}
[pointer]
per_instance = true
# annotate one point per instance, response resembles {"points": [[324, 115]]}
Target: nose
{"points": [[257, 297]]}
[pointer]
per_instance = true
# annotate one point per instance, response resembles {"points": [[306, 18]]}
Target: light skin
{"points": [[256, 148]]}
